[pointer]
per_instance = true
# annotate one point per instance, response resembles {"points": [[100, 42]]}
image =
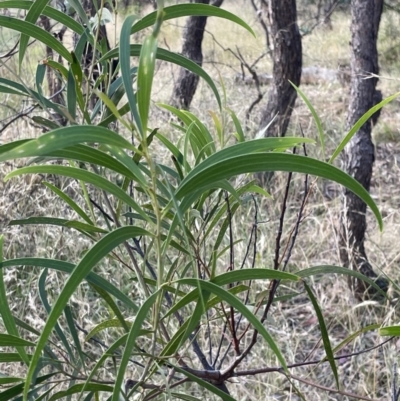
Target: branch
{"points": [[251, 372], [332, 390], [318, 23]]}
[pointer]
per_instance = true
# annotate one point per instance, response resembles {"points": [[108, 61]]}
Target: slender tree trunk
{"points": [[287, 59], [359, 153], [186, 84]]}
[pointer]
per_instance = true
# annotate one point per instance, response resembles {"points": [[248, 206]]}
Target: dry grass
{"points": [[293, 324]]}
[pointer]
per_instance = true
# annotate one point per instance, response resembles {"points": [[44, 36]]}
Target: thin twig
{"points": [[250, 372], [332, 390], [99, 342], [263, 24], [231, 268], [299, 217]]}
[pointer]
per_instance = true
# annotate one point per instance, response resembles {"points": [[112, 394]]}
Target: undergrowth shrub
{"points": [[198, 313]]}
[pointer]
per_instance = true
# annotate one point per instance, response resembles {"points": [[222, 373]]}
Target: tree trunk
{"points": [[359, 153], [287, 59], [186, 84]]}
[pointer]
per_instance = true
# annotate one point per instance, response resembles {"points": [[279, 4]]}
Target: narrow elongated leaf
{"points": [[253, 274], [359, 124], [71, 95], [261, 145], [76, 70], [113, 306], [24, 325], [35, 32], [111, 108], [107, 354], [232, 277], [59, 222], [222, 210], [50, 12], [35, 95], [201, 140], [40, 74], [45, 394], [107, 324], [354, 336], [5, 311], [77, 6], [110, 118], [47, 307], [124, 61], [195, 317], [238, 126], [67, 199], [327, 269], [57, 67], [71, 325], [81, 45], [14, 391], [185, 397], [114, 95], [7, 340], [193, 295], [202, 176], [127, 161], [33, 14], [61, 265], [390, 331], [9, 357], [6, 89], [240, 307], [91, 155], [171, 57], [64, 137], [147, 62], [16, 85], [77, 388], [174, 150], [9, 380], [130, 342], [101, 249], [145, 78], [315, 116], [186, 10], [324, 332], [45, 122], [85, 176]]}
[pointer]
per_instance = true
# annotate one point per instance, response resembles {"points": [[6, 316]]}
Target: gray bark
{"points": [[359, 153], [186, 83], [287, 59]]}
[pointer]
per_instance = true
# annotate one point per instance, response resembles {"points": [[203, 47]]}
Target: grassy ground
{"points": [[293, 324]]}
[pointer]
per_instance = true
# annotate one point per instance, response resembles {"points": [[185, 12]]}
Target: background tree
{"points": [[287, 62], [186, 84], [359, 153], [287, 59]]}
